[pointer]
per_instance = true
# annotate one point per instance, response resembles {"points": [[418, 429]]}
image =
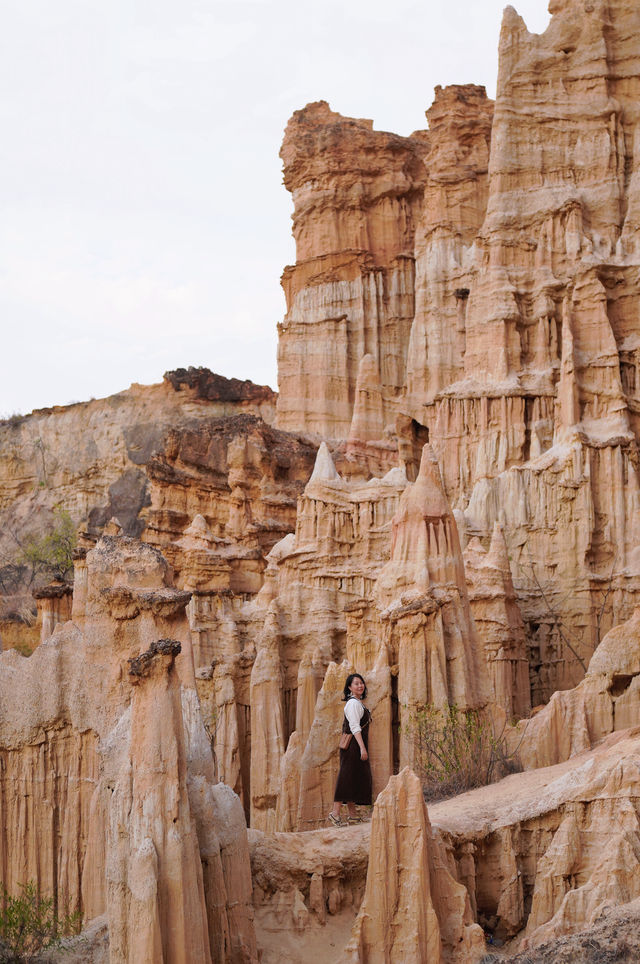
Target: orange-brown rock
{"points": [[606, 700], [89, 459], [54, 606], [320, 581], [413, 909], [454, 205], [551, 848], [539, 854], [357, 194], [307, 892], [462, 330], [423, 597], [101, 730], [331, 596], [242, 477], [499, 623], [520, 365], [267, 728]]}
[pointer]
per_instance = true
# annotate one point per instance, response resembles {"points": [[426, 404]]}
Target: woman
{"points": [[354, 779]]}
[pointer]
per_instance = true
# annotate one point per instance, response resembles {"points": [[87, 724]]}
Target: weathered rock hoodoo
{"points": [[516, 230], [413, 909], [108, 787], [445, 498]]}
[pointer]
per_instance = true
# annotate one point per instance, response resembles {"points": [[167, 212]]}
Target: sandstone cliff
{"points": [[152, 458], [446, 500], [517, 226], [87, 725]]}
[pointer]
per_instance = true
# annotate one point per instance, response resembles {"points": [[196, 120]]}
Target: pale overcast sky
{"points": [[144, 223]]}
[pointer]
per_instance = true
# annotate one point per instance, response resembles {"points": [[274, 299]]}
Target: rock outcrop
{"points": [[413, 909], [118, 810], [90, 460], [544, 852], [357, 194], [448, 503], [307, 891], [422, 596], [519, 362], [607, 700], [54, 606], [499, 623]]}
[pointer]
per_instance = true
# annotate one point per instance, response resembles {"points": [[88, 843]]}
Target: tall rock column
{"points": [[227, 738], [119, 810], [499, 622], [165, 911], [356, 195], [267, 726], [413, 910], [423, 596], [455, 201]]}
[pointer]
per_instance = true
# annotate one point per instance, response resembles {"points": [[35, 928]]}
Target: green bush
{"points": [[29, 925], [53, 554], [456, 750]]}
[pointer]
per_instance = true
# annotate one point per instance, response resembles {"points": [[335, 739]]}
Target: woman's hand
{"points": [[363, 754]]}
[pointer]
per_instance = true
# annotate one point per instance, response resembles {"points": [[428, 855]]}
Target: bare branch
{"points": [[553, 614], [604, 601]]}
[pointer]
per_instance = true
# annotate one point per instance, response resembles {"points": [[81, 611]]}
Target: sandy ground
{"points": [[523, 796], [316, 944]]}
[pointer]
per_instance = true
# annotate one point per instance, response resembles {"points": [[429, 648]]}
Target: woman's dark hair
{"points": [[350, 678]]}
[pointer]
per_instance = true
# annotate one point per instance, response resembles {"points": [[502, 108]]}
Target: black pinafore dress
{"points": [[354, 778]]}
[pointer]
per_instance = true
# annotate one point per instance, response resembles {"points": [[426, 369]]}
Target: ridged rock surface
{"points": [[118, 810], [518, 225], [607, 699], [413, 909], [357, 195], [449, 505], [91, 459], [545, 851]]}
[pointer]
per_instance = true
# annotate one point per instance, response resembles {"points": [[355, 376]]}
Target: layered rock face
{"points": [[334, 602], [357, 194], [77, 455], [520, 356], [108, 791], [413, 908], [499, 623], [422, 597], [544, 852], [291, 641], [239, 474], [449, 506], [607, 700], [90, 460]]}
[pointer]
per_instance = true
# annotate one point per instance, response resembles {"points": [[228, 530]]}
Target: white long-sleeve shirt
{"points": [[354, 711]]}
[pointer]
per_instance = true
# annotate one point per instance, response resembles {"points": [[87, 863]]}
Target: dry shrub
{"points": [[30, 925], [457, 750]]}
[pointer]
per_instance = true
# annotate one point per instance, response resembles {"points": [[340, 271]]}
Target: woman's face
{"points": [[357, 687]]}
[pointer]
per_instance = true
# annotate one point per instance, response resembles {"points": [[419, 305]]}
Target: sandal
{"points": [[353, 820], [336, 821]]}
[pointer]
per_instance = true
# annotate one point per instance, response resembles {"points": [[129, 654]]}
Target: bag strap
{"points": [[366, 708]]}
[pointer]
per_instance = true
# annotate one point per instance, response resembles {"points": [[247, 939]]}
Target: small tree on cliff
{"points": [[30, 925], [53, 553]]}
